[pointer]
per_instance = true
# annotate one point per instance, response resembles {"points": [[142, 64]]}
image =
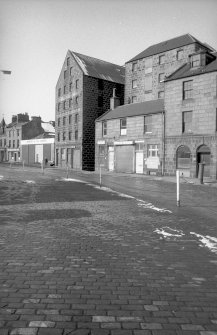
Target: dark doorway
{"points": [[203, 156]]}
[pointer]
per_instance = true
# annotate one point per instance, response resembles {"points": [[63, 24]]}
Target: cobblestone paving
{"points": [[100, 268]]}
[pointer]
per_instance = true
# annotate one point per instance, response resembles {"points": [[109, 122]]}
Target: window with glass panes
{"points": [[148, 124], [187, 122], [104, 128], [161, 59], [123, 126], [153, 150], [187, 89], [180, 54], [161, 77], [148, 65]]}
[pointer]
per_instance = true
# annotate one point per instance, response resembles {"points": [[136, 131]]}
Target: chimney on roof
{"points": [[114, 101]]}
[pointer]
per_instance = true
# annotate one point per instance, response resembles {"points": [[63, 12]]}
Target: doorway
{"points": [[203, 156]]}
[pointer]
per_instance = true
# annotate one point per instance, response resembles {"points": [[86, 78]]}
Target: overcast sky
{"points": [[36, 34]]}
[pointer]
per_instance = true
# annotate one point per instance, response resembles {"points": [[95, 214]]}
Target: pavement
{"points": [[77, 259]]}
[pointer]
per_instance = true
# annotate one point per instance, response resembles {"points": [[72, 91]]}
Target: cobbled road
{"points": [[76, 259]]}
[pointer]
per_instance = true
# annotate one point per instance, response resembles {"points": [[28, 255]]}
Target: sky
{"points": [[36, 34]]}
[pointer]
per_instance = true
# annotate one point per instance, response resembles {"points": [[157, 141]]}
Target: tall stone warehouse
{"points": [[83, 93]]}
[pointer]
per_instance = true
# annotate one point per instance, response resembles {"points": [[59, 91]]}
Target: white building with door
{"points": [[130, 138]]}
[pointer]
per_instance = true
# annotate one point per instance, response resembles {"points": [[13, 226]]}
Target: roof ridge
{"points": [[101, 60]]}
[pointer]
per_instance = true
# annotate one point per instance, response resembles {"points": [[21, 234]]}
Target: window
{"points": [[70, 87], [70, 135], [65, 89], [187, 89], [76, 118], [104, 128], [148, 83], [58, 137], [63, 153], [76, 134], [134, 99], [162, 59], [153, 150], [148, 124], [100, 101], [9, 143], [68, 61], [187, 122], [134, 67], [70, 119], [65, 72], [0, 143], [100, 84], [180, 54], [161, 77], [10, 133], [134, 83], [18, 132], [58, 121], [18, 143], [64, 121], [64, 136], [58, 106], [195, 60], [70, 102], [64, 104], [183, 157], [101, 150], [76, 83], [5, 142], [148, 65], [70, 71], [59, 92], [76, 100], [160, 94], [123, 126], [13, 143]]}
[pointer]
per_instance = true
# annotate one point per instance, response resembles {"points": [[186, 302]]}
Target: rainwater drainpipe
{"points": [[163, 143]]}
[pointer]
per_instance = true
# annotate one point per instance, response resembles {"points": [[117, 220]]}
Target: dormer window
{"points": [[195, 60]]}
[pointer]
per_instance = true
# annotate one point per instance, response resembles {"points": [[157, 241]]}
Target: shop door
{"points": [[124, 158], [111, 159], [139, 162], [76, 159]]}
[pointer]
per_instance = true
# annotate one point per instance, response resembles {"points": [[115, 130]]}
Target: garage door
{"points": [[124, 158]]}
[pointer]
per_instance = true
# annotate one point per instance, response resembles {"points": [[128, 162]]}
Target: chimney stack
{"points": [[114, 101]]}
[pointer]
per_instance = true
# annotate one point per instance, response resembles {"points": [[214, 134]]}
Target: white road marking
{"points": [[29, 181], [169, 232], [207, 241]]}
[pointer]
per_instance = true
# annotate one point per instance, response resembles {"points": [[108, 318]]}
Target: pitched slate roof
{"points": [[173, 43], [135, 109], [187, 71], [97, 68]]}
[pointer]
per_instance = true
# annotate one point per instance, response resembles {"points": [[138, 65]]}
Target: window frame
{"points": [[187, 92], [181, 51], [123, 127], [185, 123], [104, 128], [134, 66], [153, 148], [134, 83], [161, 59], [148, 124], [159, 77]]}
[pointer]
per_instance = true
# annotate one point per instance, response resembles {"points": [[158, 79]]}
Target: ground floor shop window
{"points": [[183, 157]]}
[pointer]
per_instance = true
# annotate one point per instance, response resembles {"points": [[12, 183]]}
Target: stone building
{"points": [[129, 138], [83, 93], [191, 117], [3, 141], [21, 128], [145, 73]]}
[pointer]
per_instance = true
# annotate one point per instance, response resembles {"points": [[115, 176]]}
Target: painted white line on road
{"points": [[71, 179], [207, 241], [29, 181], [149, 205], [169, 232]]}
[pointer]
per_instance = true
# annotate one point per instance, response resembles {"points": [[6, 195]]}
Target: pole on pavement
{"points": [[67, 171], [178, 187], [23, 164], [100, 175]]}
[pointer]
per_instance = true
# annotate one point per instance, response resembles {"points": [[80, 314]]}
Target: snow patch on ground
{"points": [[30, 181], [169, 232], [151, 206], [71, 179], [207, 241]]}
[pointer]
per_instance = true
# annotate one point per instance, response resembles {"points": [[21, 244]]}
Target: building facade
{"points": [[146, 71], [191, 117], [83, 93], [3, 141], [129, 138]]}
